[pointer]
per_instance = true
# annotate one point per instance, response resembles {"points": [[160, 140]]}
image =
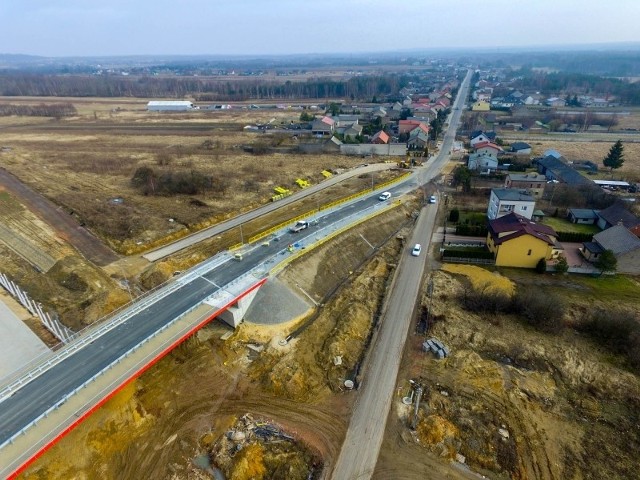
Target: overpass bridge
{"points": [[47, 399]]}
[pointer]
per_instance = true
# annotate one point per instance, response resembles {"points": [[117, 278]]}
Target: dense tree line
{"points": [[556, 83], [201, 88], [56, 110]]}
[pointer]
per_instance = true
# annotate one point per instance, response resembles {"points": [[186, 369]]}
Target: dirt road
{"points": [[361, 446], [65, 225]]}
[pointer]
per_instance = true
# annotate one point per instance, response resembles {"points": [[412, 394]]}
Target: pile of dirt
{"points": [[523, 404], [256, 449]]}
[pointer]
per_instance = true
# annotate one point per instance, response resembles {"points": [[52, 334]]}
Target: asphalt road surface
{"points": [[48, 389], [359, 453]]}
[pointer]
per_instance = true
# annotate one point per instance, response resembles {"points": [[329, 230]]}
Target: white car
{"points": [[384, 196], [417, 248], [432, 199]]}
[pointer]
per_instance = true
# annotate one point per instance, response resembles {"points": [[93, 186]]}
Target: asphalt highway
{"points": [[47, 390], [361, 447]]}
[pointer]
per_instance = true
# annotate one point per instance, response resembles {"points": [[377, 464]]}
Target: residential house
{"points": [[323, 126], [481, 106], [343, 120], [352, 132], [617, 214], [507, 200], [397, 107], [380, 137], [479, 136], [418, 140], [516, 241], [583, 216], [624, 245], [378, 112], [521, 148], [406, 126], [485, 157], [532, 182]]}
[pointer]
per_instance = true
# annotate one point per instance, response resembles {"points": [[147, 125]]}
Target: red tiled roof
{"points": [[487, 144], [381, 136], [328, 120]]}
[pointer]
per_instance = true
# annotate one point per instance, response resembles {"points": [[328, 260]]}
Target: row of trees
{"points": [[202, 88], [625, 92], [56, 110]]}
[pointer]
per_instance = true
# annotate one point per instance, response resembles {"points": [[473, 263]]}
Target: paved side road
{"points": [[240, 219], [359, 453]]}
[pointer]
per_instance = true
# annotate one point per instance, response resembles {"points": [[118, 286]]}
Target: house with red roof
{"points": [[484, 157], [324, 126], [380, 137], [406, 126], [516, 241]]}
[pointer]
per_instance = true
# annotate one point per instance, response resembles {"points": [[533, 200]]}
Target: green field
{"points": [[563, 225]]}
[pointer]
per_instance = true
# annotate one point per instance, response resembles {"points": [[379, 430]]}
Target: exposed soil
{"points": [[156, 427], [514, 402]]}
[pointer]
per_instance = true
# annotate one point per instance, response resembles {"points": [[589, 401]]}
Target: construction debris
{"points": [[437, 347]]}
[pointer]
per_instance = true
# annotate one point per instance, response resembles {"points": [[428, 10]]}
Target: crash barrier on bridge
{"points": [[42, 363], [61, 332], [326, 206], [255, 283], [107, 392], [315, 244]]}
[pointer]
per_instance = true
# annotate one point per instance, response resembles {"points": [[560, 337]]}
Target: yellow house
{"points": [[518, 242], [481, 106]]}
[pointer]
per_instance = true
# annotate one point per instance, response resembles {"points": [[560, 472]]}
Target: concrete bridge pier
{"points": [[234, 314]]}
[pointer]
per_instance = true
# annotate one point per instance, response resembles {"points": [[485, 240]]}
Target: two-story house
{"points": [[507, 200], [518, 242], [485, 157]]}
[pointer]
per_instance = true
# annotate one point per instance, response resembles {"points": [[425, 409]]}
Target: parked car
{"points": [[432, 199], [417, 248], [384, 196], [299, 226]]}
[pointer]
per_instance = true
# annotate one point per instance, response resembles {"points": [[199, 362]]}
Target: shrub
{"points": [[540, 309], [454, 215], [541, 266]]}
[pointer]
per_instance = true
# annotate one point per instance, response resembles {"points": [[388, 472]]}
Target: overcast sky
{"points": [[189, 27]]}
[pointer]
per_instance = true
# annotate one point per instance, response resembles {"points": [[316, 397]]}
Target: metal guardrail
{"points": [[119, 359], [42, 363]]}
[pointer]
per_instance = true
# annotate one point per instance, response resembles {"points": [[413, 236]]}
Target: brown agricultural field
{"points": [[85, 163]]}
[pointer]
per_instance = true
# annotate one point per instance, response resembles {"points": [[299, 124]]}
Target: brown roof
{"points": [[518, 226]]}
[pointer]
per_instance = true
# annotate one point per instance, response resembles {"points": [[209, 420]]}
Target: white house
{"points": [[506, 200], [485, 156]]}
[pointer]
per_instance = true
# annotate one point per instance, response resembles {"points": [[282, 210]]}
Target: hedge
{"points": [[577, 237], [472, 230]]}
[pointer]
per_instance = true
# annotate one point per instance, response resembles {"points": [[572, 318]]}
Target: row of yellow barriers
{"points": [[308, 214], [280, 266]]}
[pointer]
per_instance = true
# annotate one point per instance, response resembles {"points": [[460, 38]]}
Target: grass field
{"points": [[563, 225]]}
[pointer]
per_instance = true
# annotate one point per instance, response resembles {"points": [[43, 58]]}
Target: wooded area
{"points": [[201, 88]]}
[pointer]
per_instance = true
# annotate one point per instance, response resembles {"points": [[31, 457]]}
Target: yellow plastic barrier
{"points": [[279, 267], [361, 193], [236, 246]]}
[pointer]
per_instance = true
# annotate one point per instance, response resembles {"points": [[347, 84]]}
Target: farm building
{"points": [[169, 106]]}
